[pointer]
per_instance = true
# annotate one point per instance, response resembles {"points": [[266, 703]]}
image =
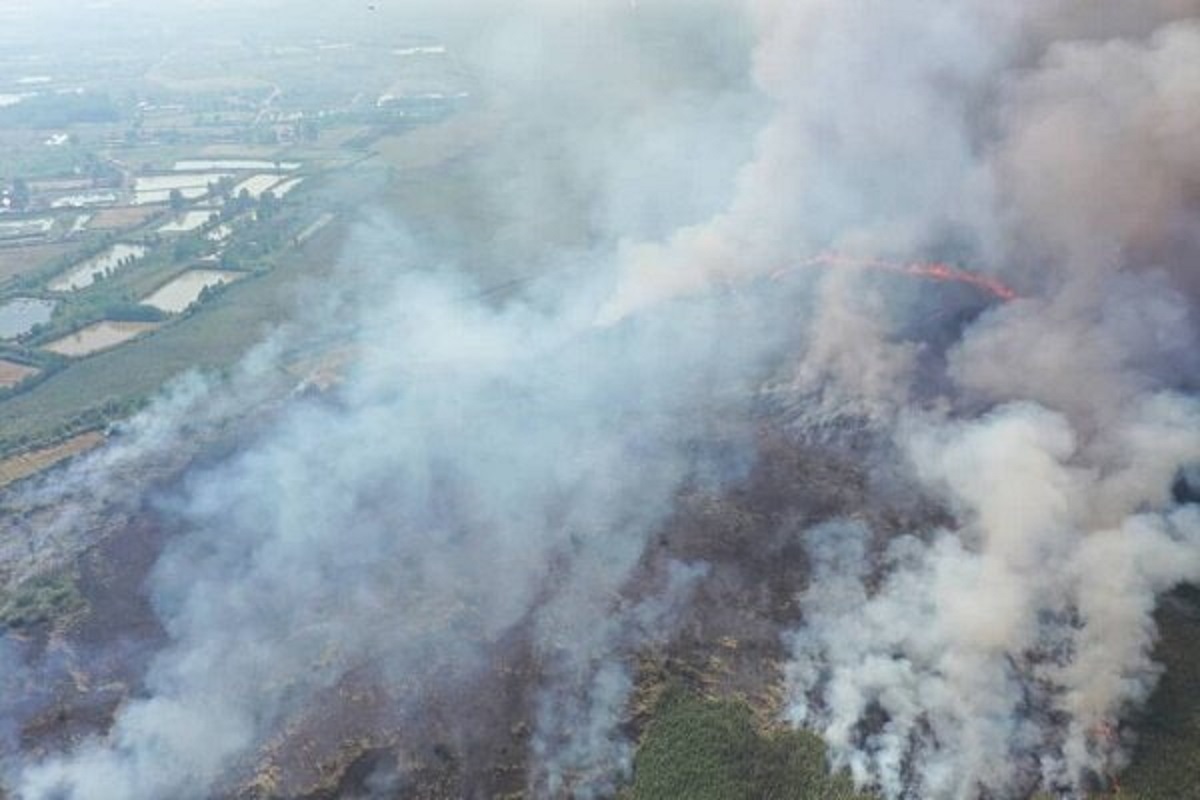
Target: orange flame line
{"points": [[931, 270]]}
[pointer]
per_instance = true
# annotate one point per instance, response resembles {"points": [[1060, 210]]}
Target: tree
{"points": [[187, 248], [175, 198], [243, 202], [224, 188], [268, 204]]}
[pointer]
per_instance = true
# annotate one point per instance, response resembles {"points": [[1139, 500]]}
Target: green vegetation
{"points": [[60, 110], [71, 396], [711, 750], [1166, 760], [134, 312], [39, 600], [88, 393], [36, 161]]}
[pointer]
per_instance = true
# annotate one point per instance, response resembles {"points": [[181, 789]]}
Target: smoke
{"points": [[998, 657], [977, 645], [495, 469], [1056, 144], [578, 750], [856, 157], [474, 470], [55, 518], [849, 365]]}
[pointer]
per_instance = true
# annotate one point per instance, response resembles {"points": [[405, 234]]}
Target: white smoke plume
{"points": [[474, 470], [52, 519], [578, 750], [976, 645], [490, 465], [999, 657], [1056, 144], [858, 155]]}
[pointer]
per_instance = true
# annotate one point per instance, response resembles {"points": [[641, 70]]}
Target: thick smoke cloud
{"points": [[480, 466], [1055, 143], [857, 156], [492, 467], [980, 641], [1002, 655]]}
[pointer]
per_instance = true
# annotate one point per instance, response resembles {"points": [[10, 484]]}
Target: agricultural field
{"points": [[157, 189], [116, 219], [196, 165], [137, 255], [188, 221], [99, 267], [256, 185], [20, 315], [98, 336], [107, 385], [176, 296], [18, 261], [25, 465], [12, 373]]}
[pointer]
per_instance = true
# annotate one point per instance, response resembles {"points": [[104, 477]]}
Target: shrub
{"points": [[39, 600]]}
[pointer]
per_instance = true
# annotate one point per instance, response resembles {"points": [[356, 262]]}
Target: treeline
{"points": [[97, 417], [60, 110]]}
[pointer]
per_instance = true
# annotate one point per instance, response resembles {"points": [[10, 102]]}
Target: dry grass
{"points": [[12, 373], [433, 145], [22, 466], [16, 261], [128, 217], [103, 335], [326, 370]]}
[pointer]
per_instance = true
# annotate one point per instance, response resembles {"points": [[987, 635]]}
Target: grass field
{"points": [[1166, 761], [17, 261], [434, 145], [704, 749], [22, 466]]}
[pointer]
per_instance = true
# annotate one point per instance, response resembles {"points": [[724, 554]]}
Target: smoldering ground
{"points": [[493, 466]]}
